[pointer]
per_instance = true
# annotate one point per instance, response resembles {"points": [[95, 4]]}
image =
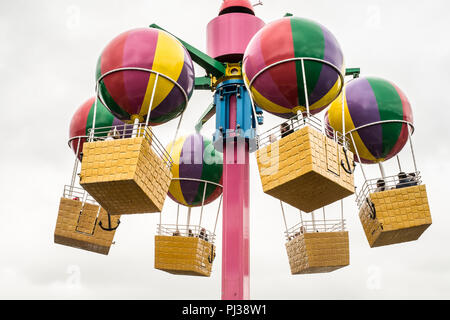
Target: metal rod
{"points": [[176, 135], [383, 174], [75, 169], [203, 203], [301, 216], [313, 221], [357, 155], [342, 214], [399, 165], [150, 105], [94, 118], [135, 128], [284, 217], [412, 150], [188, 219], [324, 220], [305, 88], [343, 116]]}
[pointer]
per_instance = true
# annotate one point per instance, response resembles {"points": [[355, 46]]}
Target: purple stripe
{"points": [[175, 98], [139, 52], [328, 75], [191, 165], [363, 108], [264, 84]]}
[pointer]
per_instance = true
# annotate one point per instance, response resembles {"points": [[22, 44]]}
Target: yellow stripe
{"points": [[175, 186], [335, 117], [169, 60]]}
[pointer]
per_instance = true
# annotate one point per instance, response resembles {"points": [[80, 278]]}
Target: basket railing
{"points": [[385, 184], [126, 131], [186, 231], [297, 122], [77, 193], [337, 225]]}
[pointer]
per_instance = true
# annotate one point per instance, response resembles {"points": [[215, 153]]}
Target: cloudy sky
{"points": [[48, 51]]}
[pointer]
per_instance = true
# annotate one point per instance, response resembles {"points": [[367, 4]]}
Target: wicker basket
{"points": [[395, 216], [304, 170], [78, 226], [125, 176], [318, 252], [183, 255]]}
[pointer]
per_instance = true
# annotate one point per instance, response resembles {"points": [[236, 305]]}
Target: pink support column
{"points": [[236, 224]]}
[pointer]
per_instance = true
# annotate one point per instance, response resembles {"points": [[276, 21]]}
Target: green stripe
{"points": [[115, 108], [211, 171], [390, 107], [309, 41], [104, 118]]}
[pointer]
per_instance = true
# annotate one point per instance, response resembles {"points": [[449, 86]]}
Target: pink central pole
{"points": [[236, 226]]}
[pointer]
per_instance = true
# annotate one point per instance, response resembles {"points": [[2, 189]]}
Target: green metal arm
{"points": [[211, 65], [202, 83], [209, 112], [353, 72]]}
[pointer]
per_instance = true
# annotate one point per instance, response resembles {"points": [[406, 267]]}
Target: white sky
{"points": [[48, 51]]}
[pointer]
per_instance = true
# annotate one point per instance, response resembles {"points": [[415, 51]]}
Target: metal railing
{"points": [[186, 231], [315, 226], [126, 131], [387, 183], [296, 123], [77, 193]]}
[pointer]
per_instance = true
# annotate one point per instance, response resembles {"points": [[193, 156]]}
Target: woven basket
{"points": [[78, 226], [304, 170]]}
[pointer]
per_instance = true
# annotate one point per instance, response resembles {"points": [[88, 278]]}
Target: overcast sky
{"points": [[48, 52]]}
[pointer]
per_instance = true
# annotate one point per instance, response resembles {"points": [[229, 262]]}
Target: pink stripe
{"points": [[254, 62], [139, 51]]}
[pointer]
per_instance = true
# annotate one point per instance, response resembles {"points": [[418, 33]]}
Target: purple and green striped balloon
{"points": [[195, 161], [379, 114]]}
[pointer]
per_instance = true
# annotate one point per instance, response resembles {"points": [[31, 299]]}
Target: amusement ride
{"points": [[292, 68]]}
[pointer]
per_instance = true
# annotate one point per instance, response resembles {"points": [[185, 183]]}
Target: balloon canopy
{"points": [[279, 89], [127, 93], [195, 158], [82, 122], [367, 101]]}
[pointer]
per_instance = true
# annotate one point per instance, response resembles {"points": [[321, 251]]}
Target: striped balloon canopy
{"points": [[82, 121], [195, 158], [378, 112], [277, 86], [128, 93]]}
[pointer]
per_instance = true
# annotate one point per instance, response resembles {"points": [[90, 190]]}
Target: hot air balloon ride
{"points": [[292, 78], [82, 223], [196, 181], [379, 122], [294, 68], [145, 77]]}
